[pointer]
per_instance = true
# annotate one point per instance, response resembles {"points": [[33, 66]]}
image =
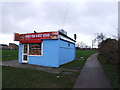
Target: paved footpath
{"points": [[92, 75], [14, 63]]}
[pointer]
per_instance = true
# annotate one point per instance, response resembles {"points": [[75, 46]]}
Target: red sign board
{"points": [[16, 37], [35, 37]]}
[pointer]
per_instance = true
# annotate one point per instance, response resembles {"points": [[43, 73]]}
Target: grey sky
{"points": [[83, 18]]}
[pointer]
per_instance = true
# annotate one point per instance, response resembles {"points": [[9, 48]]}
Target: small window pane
{"points": [[25, 48], [68, 44], [25, 57], [35, 49]]}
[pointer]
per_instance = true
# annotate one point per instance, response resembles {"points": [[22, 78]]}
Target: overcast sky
{"points": [[83, 18]]}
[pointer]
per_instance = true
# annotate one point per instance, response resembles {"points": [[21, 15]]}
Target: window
{"points": [[68, 44], [25, 48], [35, 49], [25, 57]]}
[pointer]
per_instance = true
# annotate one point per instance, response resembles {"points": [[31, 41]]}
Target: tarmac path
{"points": [[92, 75], [14, 63]]}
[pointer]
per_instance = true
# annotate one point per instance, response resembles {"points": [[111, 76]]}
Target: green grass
{"points": [[0, 72], [111, 71], [79, 63], [84, 53], [74, 64], [9, 55], [0, 55], [27, 78]]}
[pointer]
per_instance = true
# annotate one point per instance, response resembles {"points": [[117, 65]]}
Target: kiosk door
{"points": [[25, 53]]}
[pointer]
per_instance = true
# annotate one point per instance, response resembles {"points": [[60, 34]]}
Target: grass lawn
{"points": [[0, 77], [84, 53], [111, 71], [27, 78], [9, 55], [79, 63]]}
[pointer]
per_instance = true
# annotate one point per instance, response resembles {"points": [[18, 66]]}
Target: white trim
{"points": [[65, 38], [35, 55], [28, 53], [24, 61], [41, 50]]}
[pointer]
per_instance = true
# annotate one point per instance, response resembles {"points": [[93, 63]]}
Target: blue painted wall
{"points": [[54, 53], [66, 52], [20, 53], [50, 54]]}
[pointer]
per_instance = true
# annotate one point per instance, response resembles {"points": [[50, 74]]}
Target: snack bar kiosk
{"points": [[50, 49]]}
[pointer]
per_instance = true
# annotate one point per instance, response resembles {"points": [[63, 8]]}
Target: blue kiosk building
{"points": [[50, 49]]}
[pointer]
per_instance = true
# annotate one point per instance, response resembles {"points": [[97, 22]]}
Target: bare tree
{"points": [[81, 45], [98, 38], [78, 44]]}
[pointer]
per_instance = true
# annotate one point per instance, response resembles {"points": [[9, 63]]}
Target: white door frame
{"points": [[25, 61]]}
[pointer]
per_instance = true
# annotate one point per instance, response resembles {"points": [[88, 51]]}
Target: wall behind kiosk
{"points": [[66, 52], [49, 54], [54, 53], [20, 53]]}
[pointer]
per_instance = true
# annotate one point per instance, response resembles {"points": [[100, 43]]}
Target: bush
{"points": [[109, 49]]}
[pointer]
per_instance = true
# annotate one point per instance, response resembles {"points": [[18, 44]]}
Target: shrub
{"points": [[109, 49]]}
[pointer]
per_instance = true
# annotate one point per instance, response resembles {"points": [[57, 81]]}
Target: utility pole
{"points": [[92, 43]]}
